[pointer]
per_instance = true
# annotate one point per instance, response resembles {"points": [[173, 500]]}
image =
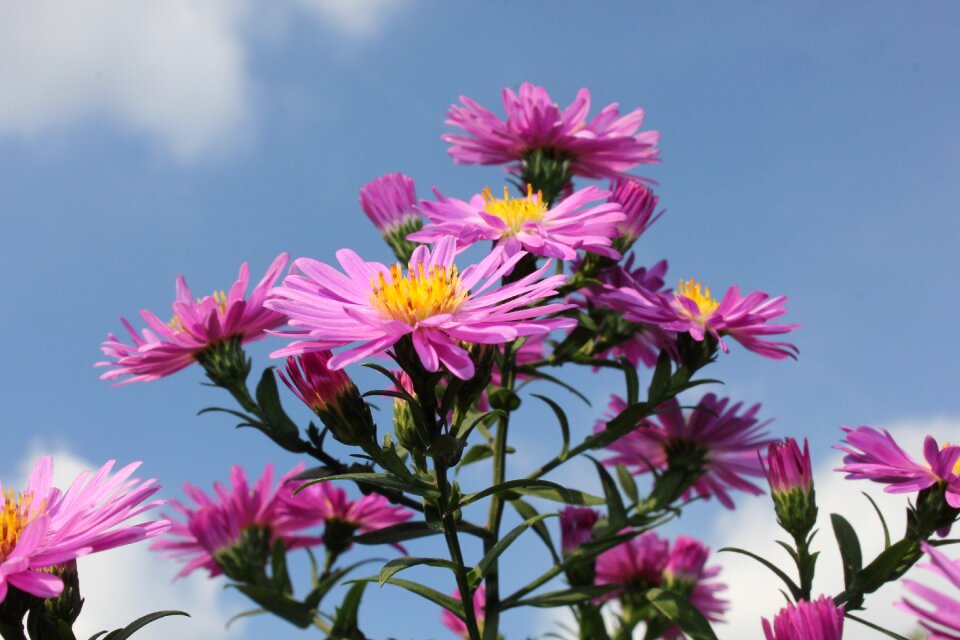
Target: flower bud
{"points": [[390, 202], [576, 528], [789, 473], [49, 617], [638, 202]]}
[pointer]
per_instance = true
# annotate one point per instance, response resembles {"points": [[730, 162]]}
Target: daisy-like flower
{"points": [[940, 614], [458, 626], [433, 303], [606, 146], [390, 202], [224, 533], [816, 620], [691, 309], [197, 326], [687, 572], [875, 455], [635, 565], [43, 527], [527, 223], [716, 433]]}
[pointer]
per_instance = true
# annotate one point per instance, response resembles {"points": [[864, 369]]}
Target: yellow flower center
{"points": [[418, 295], [515, 211], [700, 295], [14, 517], [956, 466], [176, 324]]}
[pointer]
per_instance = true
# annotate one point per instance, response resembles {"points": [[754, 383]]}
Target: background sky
{"points": [[808, 150]]}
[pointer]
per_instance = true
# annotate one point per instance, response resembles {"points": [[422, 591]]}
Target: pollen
{"points": [[515, 212], [700, 295], [219, 298], [419, 295], [15, 515]]}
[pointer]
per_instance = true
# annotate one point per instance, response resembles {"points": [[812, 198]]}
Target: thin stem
{"points": [[805, 566], [456, 554]]}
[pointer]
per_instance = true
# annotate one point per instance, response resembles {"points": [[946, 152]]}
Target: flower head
{"points": [[527, 223], [197, 326], [239, 522], [608, 145], [941, 615], [458, 626], [716, 435], [816, 620], [687, 572], [635, 565], [42, 526], [390, 202], [432, 303], [638, 203], [576, 527]]}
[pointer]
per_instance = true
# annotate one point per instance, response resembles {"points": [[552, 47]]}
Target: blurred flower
{"points": [[635, 565], [223, 534], [723, 443], [43, 527], [576, 527], [606, 146], [817, 620], [686, 572], [390, 202], [941, 616], [457, 625], [790, 475], [638, 203], [196, 327], [433, 304], [527, 223]]}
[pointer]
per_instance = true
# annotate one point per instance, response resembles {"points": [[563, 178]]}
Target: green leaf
{"points": [[521, 486], [527, 511], [616, 512], [791, 585], [632, 382], [383, 480], [476, 453], [679, 611], [563, 495], [891, 563], [449, 603], [536, 373], [281, 605], [278, 567], [399, 564], [345, 622], [849, 546], [396, 533], [627, 483], [883, 522], [139, 623], [660, 382], [477, 574], [566, 597], [323, 586], [564, 424]]}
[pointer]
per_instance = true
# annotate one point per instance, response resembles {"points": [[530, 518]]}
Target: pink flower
{"points": [[817, 620], [327, 503], [874, 455], [788, 468], [527, 223], [576, 527], [686, 572], [941, 616], [390, 202], [43, 526], [726, 444], [217, 525], [638, 203], [311, 379], [433, 303], [166, 347], [691, 309], [457, 625], [606, 146], [635, 565]]}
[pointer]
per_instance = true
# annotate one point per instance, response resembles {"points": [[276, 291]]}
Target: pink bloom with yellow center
{"points": [[44, 526], [458, 626], [941, 615], [433, 303], [605, 146], [527, 223], [164, 348], [724, 441], [816, 620]]}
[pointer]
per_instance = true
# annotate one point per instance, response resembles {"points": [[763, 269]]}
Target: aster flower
{"points": [[716, 433], [816, 620], [527, 223], [686, 572], [390, 202], [638, 203], [941, 615], [458, 626], [691, 309], [43, 527], [433, 303], [608, 145], [875, 455], [576, 527], [197, 326], [239, 522], [635, 565]]}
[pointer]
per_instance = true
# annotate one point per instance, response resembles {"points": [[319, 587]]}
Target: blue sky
{"points": [[808, 150]]}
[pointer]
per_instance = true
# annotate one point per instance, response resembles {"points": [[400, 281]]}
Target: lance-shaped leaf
{"points": [[297, 613], [345, 622], [523, 485], [449, 603], [399, 564], [136, 625], [527, 511], [268, 398], [616, 512], [678, 610], [323, 586], [883, 522], [477, 574], [849, 546], [787, 580], [384, 481], [566, 597], [660, 382], [562, 420]]}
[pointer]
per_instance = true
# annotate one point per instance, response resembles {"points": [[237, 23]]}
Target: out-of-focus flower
{"points": [[608, 145], [816, 620], [527, 223], [635, 565], [576, 527], [43, 527], [197, 328], [638, 203], [691, 309], [686, 572], [433, 303], [941, 613], [237, 527], [721, 439], [457, 625], [390, 202], [875, 455], [790, 475]]}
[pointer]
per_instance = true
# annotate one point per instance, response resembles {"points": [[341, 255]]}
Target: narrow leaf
{"points": [[883, 522], [139, 623], [565, 597], [849, 546], [449, 603], [399, 564], [562, 420], [483, 567], [527, 511], [678, 610], [791, 585]]}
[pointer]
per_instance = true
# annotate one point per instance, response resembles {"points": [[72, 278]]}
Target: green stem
{"points": [[456, 554], [805, 566]]}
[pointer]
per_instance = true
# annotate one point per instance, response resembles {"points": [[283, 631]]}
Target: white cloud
{"points": [[359, 18], [123, 584]]}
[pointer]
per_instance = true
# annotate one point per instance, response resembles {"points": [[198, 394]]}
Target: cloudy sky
{"points": [[807, 150]]}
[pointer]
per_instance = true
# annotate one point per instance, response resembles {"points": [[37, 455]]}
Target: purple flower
{"points": [[686, 572], [817, 620], [788, 468], [197, 324], [527, 223], [576, 527], [635, 565], [727, 444], [390, 202], [606, 146], [638, 203], [43, 527], [941, 616], [327, 503], [457, 625], [875, 455], [433, 303]]}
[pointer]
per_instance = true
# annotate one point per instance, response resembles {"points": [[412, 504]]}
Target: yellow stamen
{"points": [[176, 324], [701, 296], [15, 515], [515, 211], [418, 295], [956, 466]]}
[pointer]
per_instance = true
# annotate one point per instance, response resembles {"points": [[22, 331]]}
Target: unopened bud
{"points": [[789, 473], [390, 202]]}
